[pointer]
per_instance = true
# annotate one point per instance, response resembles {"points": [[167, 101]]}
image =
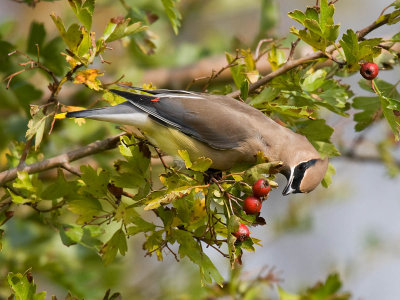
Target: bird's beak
{"points": [[288, 188]]}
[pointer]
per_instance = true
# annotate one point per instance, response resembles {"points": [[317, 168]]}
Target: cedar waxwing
{"points": [[219, 127]]}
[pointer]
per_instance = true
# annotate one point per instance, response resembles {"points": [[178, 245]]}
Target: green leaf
{"points": [[83, 10], [189, 247], [155, 199], [276, 57], [268, 94], [326, 182], [17, 198], [60, 188], [85, 236], [52, 57], [320, 31], [256, 172], [134, 172], [244, 90], [116, 244], [370, 107], [72, 37], [387, 157], [153, 242], [390, 103], [184, 154], [173, 13], [118, 28], [37, 35], [319, 133], [283, 295], [36, 125], [396, 37], [237, 70], [23, 287], [356, 52], [86, 208], [96, 181], [328, 289], [314, 80], [201, 164]]}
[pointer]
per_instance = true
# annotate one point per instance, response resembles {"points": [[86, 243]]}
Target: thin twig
{"points": [[292, 48], [308, 58], [59, 160]]}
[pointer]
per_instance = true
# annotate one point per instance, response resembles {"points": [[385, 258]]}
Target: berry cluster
{"points": [[252, 205]]}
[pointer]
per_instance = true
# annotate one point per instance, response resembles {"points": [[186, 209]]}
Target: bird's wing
{"points": [[200, 116]]}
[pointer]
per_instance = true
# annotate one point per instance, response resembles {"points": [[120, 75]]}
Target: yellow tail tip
{"points": [[60, 116]]}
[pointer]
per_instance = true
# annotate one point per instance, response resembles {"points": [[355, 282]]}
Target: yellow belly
{"points": [[171, 140]]}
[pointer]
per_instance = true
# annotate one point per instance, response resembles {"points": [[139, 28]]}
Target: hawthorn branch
{"points": [[308, 58], [62, 160]]}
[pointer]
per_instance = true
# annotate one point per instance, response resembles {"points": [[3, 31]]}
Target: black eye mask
{"points": [[298, 174]]}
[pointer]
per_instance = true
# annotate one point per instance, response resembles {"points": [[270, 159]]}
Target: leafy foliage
{"points": [[320, 30], [98, 208]]}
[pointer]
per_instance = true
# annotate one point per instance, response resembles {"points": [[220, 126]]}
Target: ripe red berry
{"points": [[369, 70], [252, 205], [261, 188], [243, 233]]}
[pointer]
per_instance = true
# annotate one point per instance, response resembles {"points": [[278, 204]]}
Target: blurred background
{"points": [[352, 228]]}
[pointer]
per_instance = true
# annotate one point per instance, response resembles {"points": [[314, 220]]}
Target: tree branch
{"points": [[63, 159], [308, 58]]}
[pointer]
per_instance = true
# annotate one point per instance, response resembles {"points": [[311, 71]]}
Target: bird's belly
{"points": [[171, 140]]}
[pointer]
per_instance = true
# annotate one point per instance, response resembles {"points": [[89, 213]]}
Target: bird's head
{"points": [[305, 176]]}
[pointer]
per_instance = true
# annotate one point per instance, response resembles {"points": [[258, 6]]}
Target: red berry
{"points": [[369, 70], [243, 233], [252, 205], [261, 188]]}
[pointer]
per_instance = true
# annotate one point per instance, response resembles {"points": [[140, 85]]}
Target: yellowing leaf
{"points": [[167, 197], [89, 77]]}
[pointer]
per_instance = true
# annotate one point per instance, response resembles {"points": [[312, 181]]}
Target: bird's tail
{"points": [[124, 113]]}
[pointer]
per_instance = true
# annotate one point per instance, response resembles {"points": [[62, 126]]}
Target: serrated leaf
{"points": [[173, 13], [184, 154], [319, 133], [256, 172], [155, 199], [314, 80], [86, 208], [36, 125], [116, 244], [96, 181], [153, 242], [23, 287], [37, 35], [267, 95], [237, 70], [356, 52], [118, 28], [276, 57], [201, 164], [72, 37], [89, 78], [85, 236], [244, 90], [396, 37], [188, 247], [370, 107], [83, 10], [327, 180]]}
